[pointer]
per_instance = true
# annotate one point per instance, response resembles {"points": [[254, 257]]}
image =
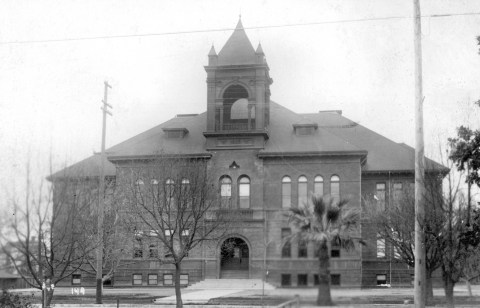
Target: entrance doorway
{"points": [[234, 258]]}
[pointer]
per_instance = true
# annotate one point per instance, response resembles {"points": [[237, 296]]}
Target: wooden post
{"points": [[420, 271], [101, 200]]}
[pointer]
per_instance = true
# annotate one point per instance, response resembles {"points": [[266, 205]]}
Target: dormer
{"points": [[304, 129], [175, 133]]}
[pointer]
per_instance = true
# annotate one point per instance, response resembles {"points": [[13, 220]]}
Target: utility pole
{"points": [[101, 198], [420, 272]]}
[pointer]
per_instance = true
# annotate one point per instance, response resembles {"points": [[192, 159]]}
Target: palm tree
{"points": [[321, 221]]}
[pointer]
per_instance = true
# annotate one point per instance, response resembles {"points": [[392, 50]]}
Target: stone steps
{"points": [[233, 274], [231, 284]]}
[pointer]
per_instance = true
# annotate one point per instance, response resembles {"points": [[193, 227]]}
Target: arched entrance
{"points": [[234, 258]]}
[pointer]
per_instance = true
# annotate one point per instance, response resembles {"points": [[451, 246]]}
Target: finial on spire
{"points": [[239, 24], [212, 51], [259, 50]]}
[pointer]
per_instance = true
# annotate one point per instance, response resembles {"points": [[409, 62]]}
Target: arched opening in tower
{"points": [[237, 115]]}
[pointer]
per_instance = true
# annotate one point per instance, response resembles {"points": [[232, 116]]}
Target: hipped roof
{"points": [[335, 135]]}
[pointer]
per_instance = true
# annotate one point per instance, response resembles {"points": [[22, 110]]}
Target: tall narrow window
{"points": [[286, 192], [287, 247], [380, 196], [318, 185], [335, 187], [397, 191], [225, 191], [184, 194], [138, 245], [170, 191], [153, 251], [302, 249], [185, 186], [244, 192], [302, 190], [380, 247]]}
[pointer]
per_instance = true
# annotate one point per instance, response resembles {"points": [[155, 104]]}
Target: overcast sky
{"points": [[51, 91]]}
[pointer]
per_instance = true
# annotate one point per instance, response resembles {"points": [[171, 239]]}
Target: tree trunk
{"points": [[449, 284], [428, 288], [49, 295], [469, 288], [324, 298], [178, 292]]}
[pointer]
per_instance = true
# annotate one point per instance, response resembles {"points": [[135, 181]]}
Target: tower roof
{"points": [[212, 51], [237, 50]]}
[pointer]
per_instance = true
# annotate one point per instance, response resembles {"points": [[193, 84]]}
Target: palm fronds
{"points": [[324, 220]]}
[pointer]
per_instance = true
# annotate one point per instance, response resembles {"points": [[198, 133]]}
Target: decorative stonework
{"points": [[234, 142]]}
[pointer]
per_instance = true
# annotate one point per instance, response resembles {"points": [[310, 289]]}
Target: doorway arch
{"points": [[234, 258]]}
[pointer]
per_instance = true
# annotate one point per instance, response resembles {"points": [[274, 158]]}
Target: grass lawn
{"points": [[341, 297]]}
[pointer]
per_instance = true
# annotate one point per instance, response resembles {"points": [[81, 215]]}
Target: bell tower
{"points": [[238, 94]]}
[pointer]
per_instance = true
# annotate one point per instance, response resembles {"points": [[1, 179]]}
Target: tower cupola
{"points": [[238, 91]]}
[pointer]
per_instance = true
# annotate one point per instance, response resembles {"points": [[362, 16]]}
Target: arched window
{"points": [[225, 190], [244, 192], [318, 185], [234, 113], [335, 187], [302, 190], [226, 187], [185, 184], [169, 191], [286, 192], [139, 186]]}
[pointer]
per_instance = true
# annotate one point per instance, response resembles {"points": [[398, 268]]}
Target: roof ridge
{"points": [[300, 117]]}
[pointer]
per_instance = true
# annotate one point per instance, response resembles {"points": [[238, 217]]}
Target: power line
{"points": [[101, 37]]}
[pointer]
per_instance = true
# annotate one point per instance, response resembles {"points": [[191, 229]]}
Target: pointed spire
{"points": [[239, 24], [259, 50], [212, 51], [212, 57], [237, 50]]}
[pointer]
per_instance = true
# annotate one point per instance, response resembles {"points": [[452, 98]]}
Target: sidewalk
{"points": [[387, 297]]}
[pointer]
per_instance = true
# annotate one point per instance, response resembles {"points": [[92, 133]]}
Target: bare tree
{"points": [[395, 225], [461, 239], [470, 239], [173, 201], [448, 238], [47, 236], [113, 247]]}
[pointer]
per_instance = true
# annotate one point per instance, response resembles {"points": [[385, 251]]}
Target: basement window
{"points": [[137, 279], [381, 279], [183, 279], [152, 279], [335, 279], [286, 280], [76, 279], [302, 280], [167, 279]]}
